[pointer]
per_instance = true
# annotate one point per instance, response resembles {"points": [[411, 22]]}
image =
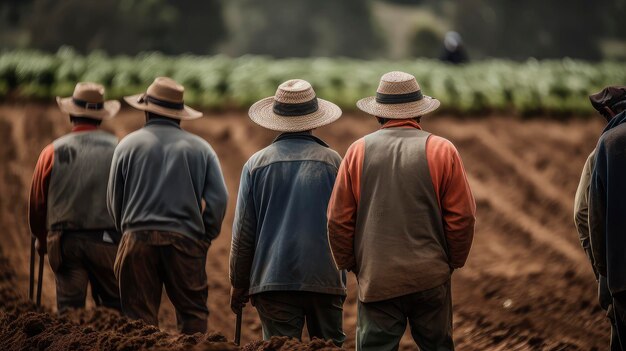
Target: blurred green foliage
{"points": [[553, 86]]}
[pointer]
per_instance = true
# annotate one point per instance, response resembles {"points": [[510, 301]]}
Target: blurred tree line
{"points": [[583, 29]]}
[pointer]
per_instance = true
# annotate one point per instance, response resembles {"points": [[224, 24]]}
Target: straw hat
{"points": [[398, 97], [294, 108], [88, 101], [164, 97]]}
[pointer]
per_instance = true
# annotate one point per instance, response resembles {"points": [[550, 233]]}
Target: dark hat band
{"points": [[290, 110], [399, 98], [162, 103], [95, 106]]}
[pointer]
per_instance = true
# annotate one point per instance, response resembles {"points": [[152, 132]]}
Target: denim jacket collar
{"points": [[306, 135]]}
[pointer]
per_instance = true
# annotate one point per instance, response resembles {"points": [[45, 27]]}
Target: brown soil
{"points": [[526, 286]]}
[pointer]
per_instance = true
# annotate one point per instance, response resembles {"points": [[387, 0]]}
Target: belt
{"points": [[102, 235]]}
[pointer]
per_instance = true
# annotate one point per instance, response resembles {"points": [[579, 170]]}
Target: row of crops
{"points": [[555, 87]]}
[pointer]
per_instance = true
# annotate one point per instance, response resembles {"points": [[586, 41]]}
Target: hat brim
{"points": [[398, 111], [262, 113], [187, 113], [109, 110]]}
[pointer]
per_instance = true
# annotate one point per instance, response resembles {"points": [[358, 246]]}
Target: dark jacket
{"points": [[279, 232], [160, 176], [607, 205]]}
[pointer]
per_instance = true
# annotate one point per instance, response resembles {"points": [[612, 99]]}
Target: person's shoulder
{"points": [[261, 157], [615, 134], [132, 140], [441, 144]]}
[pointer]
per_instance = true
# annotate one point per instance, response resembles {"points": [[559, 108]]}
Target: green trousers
{"points": [[381, 324], [283, 313]]}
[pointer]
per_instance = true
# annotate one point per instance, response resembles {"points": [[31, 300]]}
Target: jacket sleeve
{"points": [[342, 207], [115, 189], [581, 209], [38, 200], [458, 208], [244, 234], [215, 197], [597, 210]]}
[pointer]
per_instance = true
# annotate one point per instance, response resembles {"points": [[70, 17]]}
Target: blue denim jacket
{"points": [[279, 239]]}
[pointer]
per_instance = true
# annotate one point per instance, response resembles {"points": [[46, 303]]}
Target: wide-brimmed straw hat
{"points": [[294, 108], [164, 97], [88, 101], [398, 97]]}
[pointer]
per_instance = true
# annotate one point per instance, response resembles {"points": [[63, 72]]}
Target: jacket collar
{"points": [[306, 135], [84, 127], [401, 123], [156, 121], [615, 121]]}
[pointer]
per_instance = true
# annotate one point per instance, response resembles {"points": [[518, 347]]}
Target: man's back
{"points": [[607, 204], [166, 173], [77, 190], [402, 213], [288, 186]]}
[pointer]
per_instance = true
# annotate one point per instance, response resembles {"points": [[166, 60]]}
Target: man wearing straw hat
{"points": [[280, 254], [68, 213], [167, 196], [401, 217], [609, 102]]}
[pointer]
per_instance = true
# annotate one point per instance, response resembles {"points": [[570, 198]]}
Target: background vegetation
{"points": [[550, 86]]}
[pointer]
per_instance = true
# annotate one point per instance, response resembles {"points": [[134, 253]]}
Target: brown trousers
{"points": [[149, 260], [79, 259]]}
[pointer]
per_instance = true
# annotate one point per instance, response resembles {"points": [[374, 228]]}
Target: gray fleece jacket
{"points": [[160, 175]]}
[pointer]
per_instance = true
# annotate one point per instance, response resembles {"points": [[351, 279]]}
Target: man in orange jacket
{"points": [[68, 212], [401, 217]]}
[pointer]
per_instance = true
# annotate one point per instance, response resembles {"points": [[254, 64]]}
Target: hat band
{"points": [[288, 110], [399, 98], [163, 103], [88, 105]]}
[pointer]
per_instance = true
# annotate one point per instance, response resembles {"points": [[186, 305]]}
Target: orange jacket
{"points": [[456, 202]]}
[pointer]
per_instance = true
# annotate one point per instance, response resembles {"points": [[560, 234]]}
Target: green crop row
{"points": [[556, 86]]}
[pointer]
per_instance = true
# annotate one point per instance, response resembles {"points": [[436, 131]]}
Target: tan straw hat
{"points": [[398, 97], [164, 97], [294, 108], [88, 101]]}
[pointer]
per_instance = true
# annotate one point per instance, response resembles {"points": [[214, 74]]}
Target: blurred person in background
{"points": [[607, 205], [453, 49], [167, 196], [609, 102], [280, 255], [401, 217], [68, 212]]}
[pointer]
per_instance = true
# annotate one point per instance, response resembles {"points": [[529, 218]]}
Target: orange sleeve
{"points": [[456, 201], [38, 203], [342, 207]]}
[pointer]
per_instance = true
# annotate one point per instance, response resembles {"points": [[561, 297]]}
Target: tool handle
{"points": [[31, 282], [40, 280], [238, 328]]}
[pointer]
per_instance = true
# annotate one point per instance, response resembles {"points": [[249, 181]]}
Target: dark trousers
{"points": [[606, 302], [283, 313], [619, 310], [381, 324], [149, 260], [79, 259]]}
